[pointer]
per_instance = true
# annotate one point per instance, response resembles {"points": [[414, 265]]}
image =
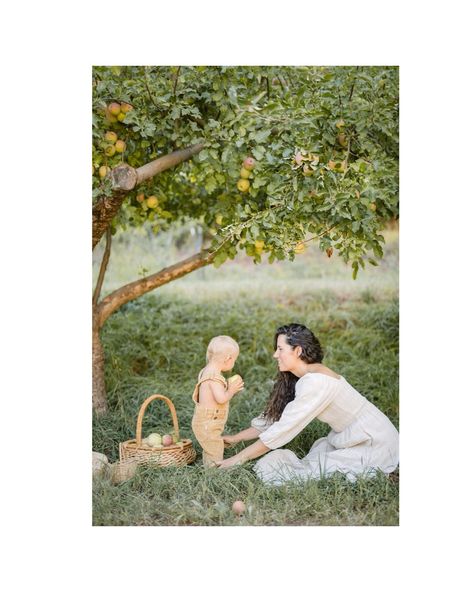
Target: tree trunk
{"points": [[116, 299], [99, 395]]}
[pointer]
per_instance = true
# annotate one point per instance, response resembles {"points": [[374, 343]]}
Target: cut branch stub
{"points": [[124, 177]]}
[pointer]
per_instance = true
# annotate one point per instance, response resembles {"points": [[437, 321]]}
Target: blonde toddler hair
{"points": [[220, 346]]}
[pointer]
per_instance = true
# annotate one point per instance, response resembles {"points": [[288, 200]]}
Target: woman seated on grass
{"points": [[362, 439]]}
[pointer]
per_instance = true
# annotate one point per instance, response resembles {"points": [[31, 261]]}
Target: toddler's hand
{"points": [[235, 386]]}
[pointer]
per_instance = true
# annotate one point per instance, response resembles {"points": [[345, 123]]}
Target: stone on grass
{"points": [[100, 463]]}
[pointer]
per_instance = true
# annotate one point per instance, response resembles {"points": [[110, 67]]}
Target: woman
{"points": [[362, 439]]}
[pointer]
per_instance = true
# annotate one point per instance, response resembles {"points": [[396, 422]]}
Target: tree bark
{"points": [[99, 395], [124, 179]]}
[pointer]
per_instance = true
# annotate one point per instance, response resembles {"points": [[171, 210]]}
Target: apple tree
{"points": [[266, 157]]}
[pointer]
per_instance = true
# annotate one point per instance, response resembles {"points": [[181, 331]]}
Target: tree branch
{"points": [[103, 266], [135, 289], [176, 80], [124, 179], [148, 88], [166, 162]]}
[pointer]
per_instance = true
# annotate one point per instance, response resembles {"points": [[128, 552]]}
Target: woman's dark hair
{"points": [[284, 388]]}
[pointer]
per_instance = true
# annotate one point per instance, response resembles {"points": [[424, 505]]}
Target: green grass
{"points": [[157, 344]]}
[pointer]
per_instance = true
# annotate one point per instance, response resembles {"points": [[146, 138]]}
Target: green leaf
{"points": [[355, 269], [258, 152], [261, 136], [259, 182]]}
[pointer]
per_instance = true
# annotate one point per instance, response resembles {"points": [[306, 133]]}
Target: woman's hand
{"points": [[253, 451], [227, 463], [230, 440]]}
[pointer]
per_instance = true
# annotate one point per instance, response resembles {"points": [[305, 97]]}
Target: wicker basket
{"points": [[173, 455]]}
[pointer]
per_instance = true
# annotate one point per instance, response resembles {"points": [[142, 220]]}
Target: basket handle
{"points": [[141, 413]]}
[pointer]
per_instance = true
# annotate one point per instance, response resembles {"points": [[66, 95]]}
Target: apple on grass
{"points": [[238, 507]]}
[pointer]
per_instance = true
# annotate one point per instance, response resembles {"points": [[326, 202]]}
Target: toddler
{"points": [[211, 397]]}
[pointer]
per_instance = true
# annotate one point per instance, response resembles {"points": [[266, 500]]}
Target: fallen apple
{"points": [[238, 507]]}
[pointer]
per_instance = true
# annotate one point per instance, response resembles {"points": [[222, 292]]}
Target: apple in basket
{"points": [[154, 440], [167, 440]]}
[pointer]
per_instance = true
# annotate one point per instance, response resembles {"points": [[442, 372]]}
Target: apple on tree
{"points": [[114, 109], [111, 137], [243, 185], [152, 201], [120, 146], [103, 170], [249, 163]]}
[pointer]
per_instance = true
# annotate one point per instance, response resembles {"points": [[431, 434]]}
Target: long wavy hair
{"points": [[284, 387]]}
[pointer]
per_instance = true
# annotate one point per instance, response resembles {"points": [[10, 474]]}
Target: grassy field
{"points": [[157, 344]]}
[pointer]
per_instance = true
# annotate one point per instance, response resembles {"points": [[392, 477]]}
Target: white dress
{"points": [[362, 439]]}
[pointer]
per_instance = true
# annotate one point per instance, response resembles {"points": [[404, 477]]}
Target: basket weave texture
{"points": [[173, 455]]}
